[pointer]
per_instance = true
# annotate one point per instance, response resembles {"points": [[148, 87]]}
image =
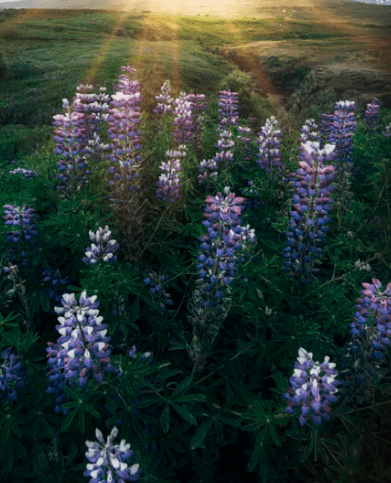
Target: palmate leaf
{"points": [[184, 413]]}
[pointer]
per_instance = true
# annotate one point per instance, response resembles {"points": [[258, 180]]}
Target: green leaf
{"points": [[82, 424], [164, 419], [44, 301], [257, 450], [91, 410], [182, 386], [135, 309], [184, 413], [200, 434], [190, 398], [68, 420]]}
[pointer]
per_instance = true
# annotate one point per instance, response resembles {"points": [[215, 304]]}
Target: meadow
{"points": [[195, 275]]}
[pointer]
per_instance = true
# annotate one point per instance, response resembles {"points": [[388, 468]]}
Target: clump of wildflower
{"points": [[269, 155], [169, 182], [12, 375], [82, 349], [372, 320], [156, 283], [326, 122], [109, 462], [246, 139], [22, 220], [124, 116], [228, 109], [104, 248], [362, 266], [309, 131], [165, 106], [27, 173], [387, 132], [313, 386], [55, 279], [311, 203], [372, 113], [183, 121]]}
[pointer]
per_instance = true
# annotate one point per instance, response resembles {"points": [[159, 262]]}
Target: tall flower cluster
{"points": [[71, 136], [93, 106], [55, 279], [269, 155], [313, 388], [104, 248], [326, 122], [372, 114], [307, 226], [228, 109], [156, 283], [309, 131], [124, 116], [12, 375], [244, 134], [82, 349], [21, 219], [108, 462], [387, 132], [342, 130], [198, 106], [169, 184], [165, 105], [183, 120], [27, 173]]}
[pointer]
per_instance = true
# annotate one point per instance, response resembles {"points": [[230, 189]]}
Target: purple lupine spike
{"points": [[22, 220], [311, 203], [183, 121], [157, 281], [124, 116], [208, 170], [109, 462], [387, 132], [12, 375], [169, 183], [103, 250], [372, 114], [325, 127], [246, 139], [82, 349], [313, 388], [224, 146], [217, 267], [269, 146], [27, 173], [228, 109], [309, 131], [342, 130], [372, 320], [166, 101]]}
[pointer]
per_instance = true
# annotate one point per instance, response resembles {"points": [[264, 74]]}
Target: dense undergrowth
{"points": [[206, 383]]}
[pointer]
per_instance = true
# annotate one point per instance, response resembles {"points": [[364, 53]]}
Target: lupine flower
{"points": [[82, 349], [228, 109], [313, 386], [311, 204], [208, 170], [105, 248], [12, 375], [165, 106], [27, 173], [246, 131], [372, 320], [183, 120], [362, 266], [109, 462], [125, 137], [309, 131], [169, 182], [22, 219], [156, 282], [269, 146], [71, 136], [372, 112], [55, 279], [198, 106], [342, 130], [224, 146], [326, 122], [387, 132]]}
